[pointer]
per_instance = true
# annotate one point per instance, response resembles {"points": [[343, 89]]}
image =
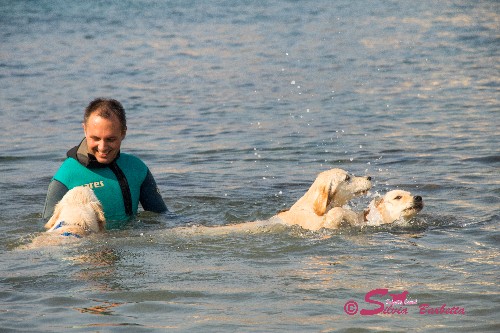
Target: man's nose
{"points": [[102, 145]]}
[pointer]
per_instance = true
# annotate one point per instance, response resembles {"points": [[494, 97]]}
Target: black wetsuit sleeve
{"points": [[150, 197], [54, 194]]}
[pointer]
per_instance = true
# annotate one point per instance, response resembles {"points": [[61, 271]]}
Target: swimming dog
{"points": [[315, 209], [78, 214], [393, 206]]}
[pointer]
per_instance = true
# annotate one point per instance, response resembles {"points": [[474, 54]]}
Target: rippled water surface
{"points": [[236, 106]]}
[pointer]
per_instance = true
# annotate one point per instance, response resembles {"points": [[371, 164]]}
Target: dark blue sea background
{"points": [[236, 106]]}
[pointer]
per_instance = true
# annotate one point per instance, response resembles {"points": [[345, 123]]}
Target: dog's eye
{"points": [[398, 197], [347, 178]]}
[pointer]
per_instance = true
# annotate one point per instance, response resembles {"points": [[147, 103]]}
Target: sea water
{"points": [[236, 106]]}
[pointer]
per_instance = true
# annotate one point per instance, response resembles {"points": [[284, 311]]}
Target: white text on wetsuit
{"points": [[95, 184]]}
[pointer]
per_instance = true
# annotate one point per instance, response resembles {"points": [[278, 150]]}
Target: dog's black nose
{"points": [[369, 178], [417, 198]]}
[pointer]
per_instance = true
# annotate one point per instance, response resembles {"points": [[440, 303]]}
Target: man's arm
{"points": [[150, 197], [54, 194]]}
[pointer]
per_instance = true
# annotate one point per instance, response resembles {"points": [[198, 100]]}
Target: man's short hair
{"points": [[106, 108]]}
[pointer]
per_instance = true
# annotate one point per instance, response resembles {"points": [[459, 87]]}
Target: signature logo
{"points": [[396, 305]]}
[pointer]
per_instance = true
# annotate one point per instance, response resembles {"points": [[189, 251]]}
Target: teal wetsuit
{"points": [[119, 186]]}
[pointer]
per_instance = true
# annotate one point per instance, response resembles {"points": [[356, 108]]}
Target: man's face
{"points": [[104, 137]]}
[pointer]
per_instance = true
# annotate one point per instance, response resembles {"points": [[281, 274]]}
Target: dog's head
{"points": [[335, 187], [80, 210], [397, 204]]}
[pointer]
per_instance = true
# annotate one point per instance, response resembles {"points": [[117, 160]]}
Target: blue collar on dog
{"points": [[60, 224], [70, 234]]}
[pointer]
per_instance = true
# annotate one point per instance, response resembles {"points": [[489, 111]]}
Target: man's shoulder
{"points": [[129, 162], [129, 158], [69, 171], [70, 164]]}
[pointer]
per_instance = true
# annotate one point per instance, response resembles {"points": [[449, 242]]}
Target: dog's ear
{"points": [[102, 224], [322, 197], [101, 220], [378, 201], [321, 200], [55, 216], [324, 186]]}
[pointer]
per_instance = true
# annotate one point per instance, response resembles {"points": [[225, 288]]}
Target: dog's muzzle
{"points": [[418, 203]]}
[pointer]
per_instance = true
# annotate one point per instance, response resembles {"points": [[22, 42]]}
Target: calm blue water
{"points": [[236, 106]]}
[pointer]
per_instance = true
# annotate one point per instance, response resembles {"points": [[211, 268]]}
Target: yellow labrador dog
{"points": [[394, 206], [78, 214], [316, 209]]}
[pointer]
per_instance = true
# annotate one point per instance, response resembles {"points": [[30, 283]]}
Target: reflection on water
{"points": [[105, 309], [97, 269]]}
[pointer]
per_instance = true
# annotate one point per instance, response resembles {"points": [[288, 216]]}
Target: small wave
{"points": [[485, 159]]}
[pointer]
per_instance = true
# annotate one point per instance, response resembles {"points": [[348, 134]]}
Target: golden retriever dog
{"points": [[396, 205], [393, 206], [316, 208], [78, 214]]}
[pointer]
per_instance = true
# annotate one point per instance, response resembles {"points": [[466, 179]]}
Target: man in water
{"points": [[120, 181]]}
